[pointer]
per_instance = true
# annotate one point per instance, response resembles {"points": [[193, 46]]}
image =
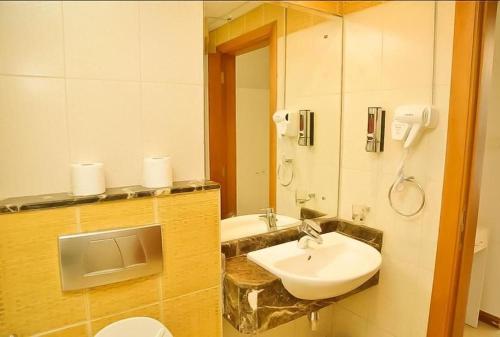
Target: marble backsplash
{"points": [[248, 244]]}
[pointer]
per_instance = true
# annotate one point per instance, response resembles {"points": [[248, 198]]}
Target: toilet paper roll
{"points": [[87, 179], [157, 172]]}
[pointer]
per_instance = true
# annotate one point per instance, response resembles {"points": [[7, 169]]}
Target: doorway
{"points": [[483, 305], [471, 109], [229, 156], [252, 131]]}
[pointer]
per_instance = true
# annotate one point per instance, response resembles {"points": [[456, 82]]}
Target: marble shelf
{"points": [[57, 200]]}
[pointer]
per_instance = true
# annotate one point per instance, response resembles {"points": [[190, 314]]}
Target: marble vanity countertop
{"points": [[56, 200], [246, 274], [255, 300], [242, 246]]}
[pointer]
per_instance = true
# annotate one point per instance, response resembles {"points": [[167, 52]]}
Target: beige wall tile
{"points": [[171, 41], [346, 323], [190, 242], [104, 125], [403, 45], [430, 227], [191, 223], [254, 19], [194, 315], [126, 213], [275, 13], [308, 46], [363, 49], [395, 296], [222, 34], [373, 330], [75, 331], [152, 311], [444, 42], [31, 298], [186, 274], [31, 36], [163, 132], [212, 41], [102, 39], [33, 136], [297, 20], [123, 296], [237, 27]]}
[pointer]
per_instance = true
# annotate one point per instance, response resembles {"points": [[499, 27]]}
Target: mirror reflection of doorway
{"points": [[242, 140], [252, 131]]}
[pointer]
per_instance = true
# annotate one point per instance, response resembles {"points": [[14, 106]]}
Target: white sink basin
{"points": [[337, 266], [247, 225]]}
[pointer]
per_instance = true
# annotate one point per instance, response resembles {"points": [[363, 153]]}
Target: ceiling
{"points": [[218, 13]]}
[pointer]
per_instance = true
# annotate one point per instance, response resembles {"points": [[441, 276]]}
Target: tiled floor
{"points": [[483, 330]]}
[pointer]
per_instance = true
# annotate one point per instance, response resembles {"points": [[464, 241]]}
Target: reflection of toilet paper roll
{"points": [[157, 172], [286, 122], [87, 179]]}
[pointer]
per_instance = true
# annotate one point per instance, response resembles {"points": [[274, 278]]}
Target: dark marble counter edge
{"points": [[57, 200], [275, 305]]}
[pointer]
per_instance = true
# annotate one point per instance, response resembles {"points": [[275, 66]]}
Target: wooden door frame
{"points": [[222, 124], [226, 101], [470, 80]]}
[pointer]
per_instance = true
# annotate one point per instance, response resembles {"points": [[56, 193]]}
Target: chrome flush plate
{"points": [[98, 258]]}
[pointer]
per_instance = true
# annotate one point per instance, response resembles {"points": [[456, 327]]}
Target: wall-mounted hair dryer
{"points": [[287, 123], [409, 121]]}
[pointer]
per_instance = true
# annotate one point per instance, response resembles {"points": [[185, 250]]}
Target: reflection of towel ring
{"points": [[420, 189], [286, 161]]}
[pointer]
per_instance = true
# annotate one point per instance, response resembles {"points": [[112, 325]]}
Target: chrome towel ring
{"points": [[289, 163], [410, 180]]}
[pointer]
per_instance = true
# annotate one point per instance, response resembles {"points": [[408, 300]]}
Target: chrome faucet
{"points": [[269, 217], [312, 231]]}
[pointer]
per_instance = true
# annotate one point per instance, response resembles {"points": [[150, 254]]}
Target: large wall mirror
{"points": [[266, 60]]}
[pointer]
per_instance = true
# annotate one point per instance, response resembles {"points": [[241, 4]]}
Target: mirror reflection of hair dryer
{"points": [[409, 121], [287, 123]]}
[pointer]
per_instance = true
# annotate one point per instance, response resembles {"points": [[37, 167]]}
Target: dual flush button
{"points": [[98, 258]]}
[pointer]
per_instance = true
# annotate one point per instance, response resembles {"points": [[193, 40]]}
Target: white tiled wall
{"points": [[395, 53], [98, 81], [313, 82]]}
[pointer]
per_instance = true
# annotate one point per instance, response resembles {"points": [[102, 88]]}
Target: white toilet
{"points": [[135, 327]]}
